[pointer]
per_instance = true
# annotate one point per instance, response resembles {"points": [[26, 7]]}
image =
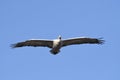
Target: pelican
{"points": [[58, 43]]}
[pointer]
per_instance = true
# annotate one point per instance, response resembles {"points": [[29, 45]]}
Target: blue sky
{"points": [[46, 19]]}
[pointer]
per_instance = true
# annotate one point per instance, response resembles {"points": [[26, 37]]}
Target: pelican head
{"points": [[59, 37]]}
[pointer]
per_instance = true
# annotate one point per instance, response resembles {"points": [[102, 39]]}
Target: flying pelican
{"points": [[57, 43]]}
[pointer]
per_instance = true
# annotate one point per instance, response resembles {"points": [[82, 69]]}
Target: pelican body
{"points": [[58, 43]]}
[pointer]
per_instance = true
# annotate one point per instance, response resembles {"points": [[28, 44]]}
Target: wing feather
{"points": [[81, 41], [34, 43]]}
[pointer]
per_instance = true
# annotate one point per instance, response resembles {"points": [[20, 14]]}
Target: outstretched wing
{"points": [[81, 41], [34, 43]]}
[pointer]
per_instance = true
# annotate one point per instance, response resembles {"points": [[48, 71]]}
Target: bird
{"points": [[58, 43]]}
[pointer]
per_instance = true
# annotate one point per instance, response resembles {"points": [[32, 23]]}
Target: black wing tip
{"points": [[13, 45], [16, 45], [101, 41]]}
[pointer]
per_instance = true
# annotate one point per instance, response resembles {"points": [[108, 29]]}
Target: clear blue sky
{"points": [[46, 19]]}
